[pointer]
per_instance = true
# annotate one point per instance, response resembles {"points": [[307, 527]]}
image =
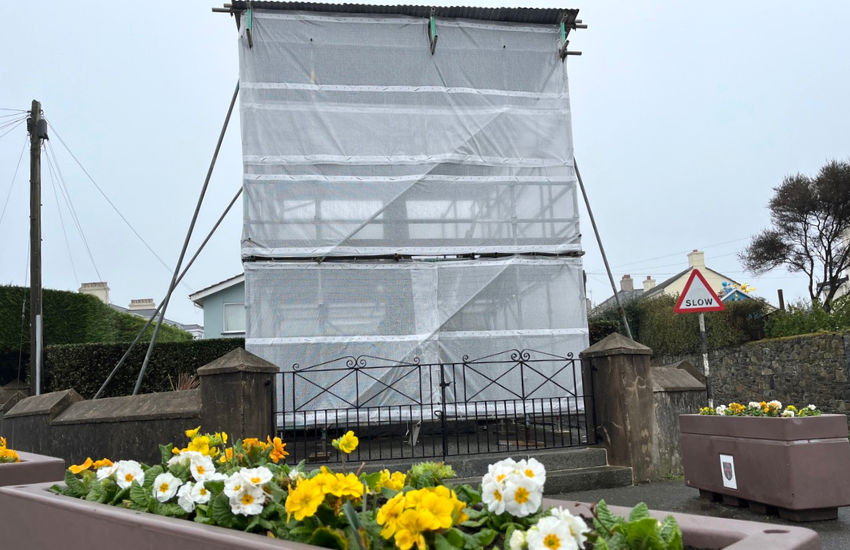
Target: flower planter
{"points": [[35, 518], [801, 466], [32, 468]]}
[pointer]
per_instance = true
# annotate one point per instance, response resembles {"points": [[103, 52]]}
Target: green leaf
{"points": [[388, 493], [671, 535], [220, 512], [121, 495], [168, 509], [351, 514], [180, 471], [165, 451], [205, 520], [278, 493], [329, 538], [479, 539], [214, 487], [442, 543], [75, 486], [455, 537], [643, 534], [139, 496], [604, 520], [639, 512], [371, 479], [150, 476]]}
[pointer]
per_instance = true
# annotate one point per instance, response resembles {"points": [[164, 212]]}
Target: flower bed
{"points": [[19, 468], [797, 463], [246, 489]]}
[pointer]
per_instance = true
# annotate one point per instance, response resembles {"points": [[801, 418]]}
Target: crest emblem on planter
{"points": [[727, 470]]}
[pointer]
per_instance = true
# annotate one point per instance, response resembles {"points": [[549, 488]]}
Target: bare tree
{"points": [[810, 227]]}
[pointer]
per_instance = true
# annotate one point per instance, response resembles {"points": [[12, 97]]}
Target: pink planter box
{"points": [[799, 465], [32, 468], [35, 518]]}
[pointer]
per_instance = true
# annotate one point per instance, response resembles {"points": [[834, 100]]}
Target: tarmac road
{"points": [[674, 496]]}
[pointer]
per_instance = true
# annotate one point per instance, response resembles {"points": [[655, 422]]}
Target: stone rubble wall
{"points": [[797, 371]]}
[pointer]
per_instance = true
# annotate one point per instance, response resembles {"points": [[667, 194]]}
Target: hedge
{"points": [[653, 323], [84, 367], [69, 318]]}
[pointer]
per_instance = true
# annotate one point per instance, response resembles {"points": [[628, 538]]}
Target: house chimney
{"points": [[99, 290], [648, 283], [696, 259], [143, 303], [627, 284]]}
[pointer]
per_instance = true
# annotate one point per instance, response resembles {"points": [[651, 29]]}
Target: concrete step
{"points": [[577, 479]]}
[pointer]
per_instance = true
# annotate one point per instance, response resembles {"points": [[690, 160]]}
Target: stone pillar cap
{"points": [[238, 360], [615, 344]]}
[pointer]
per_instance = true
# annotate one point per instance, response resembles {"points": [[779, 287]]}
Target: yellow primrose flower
{"points": [[192, 433], [304, 500], [347, 443], [76, 469], [2, 442], [200, 444], [388, 515]]}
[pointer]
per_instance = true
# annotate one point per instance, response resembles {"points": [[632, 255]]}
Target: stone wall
{"points": [[675, 391], [235, 396], [797, 370]]}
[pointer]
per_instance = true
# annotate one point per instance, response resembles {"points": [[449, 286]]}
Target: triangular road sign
{"points": [[697, 297]]}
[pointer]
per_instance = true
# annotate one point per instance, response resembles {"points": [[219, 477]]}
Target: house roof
{"points": [[535, 16], [657, 289], [623, 295], [148, 313], [199, 296]]}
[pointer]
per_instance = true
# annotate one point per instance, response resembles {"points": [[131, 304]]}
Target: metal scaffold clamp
{"points": [[563, 52], [432, 27], [249, 15]]}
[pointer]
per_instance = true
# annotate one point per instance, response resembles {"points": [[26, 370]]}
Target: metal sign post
{"points": [[697, 297]]}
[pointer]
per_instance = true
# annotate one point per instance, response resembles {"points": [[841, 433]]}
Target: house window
{"points": [[234, 318]]}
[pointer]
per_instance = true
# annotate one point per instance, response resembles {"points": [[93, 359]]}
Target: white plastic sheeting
{"points": [[357, 141], [359, 144], [433, 312]]}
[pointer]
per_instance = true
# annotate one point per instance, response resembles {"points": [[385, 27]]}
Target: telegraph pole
{"points": [[37, 128]]}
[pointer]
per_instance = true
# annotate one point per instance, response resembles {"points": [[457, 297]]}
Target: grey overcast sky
{"points": [[686, 115]]}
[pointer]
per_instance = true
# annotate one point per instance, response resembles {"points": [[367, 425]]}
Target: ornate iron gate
{"points": [[514, 401]]}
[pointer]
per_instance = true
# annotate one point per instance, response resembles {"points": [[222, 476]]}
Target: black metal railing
{"points": [[513, 401]]}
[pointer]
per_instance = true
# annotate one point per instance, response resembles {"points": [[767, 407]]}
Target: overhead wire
{"points": [[12, 185], [161, 261], [14, 124], [67, 194], [62, 220]]}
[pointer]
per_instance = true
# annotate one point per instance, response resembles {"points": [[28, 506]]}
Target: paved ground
{"points": [[674, 496]]}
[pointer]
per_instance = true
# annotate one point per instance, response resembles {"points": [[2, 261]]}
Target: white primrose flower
{"points": [[753, 405], [106, 471], [128, 471], [811, 407], [721, 410], [256, 476], [502, 469], [202, 467], [248, 502], [200, 494], [184, 496], [578, 528], [165, 486], [550, 533], [775, 404], [234, 485], [532, 469], [493, 494], [184, 458], [517, 541], [522, 496], [787, 413]]}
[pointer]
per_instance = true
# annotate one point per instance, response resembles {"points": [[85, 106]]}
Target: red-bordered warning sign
{"points": [[697, 297]]}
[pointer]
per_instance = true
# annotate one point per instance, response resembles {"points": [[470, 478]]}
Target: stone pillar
{"points": [[617, 370], [237, 395]]}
